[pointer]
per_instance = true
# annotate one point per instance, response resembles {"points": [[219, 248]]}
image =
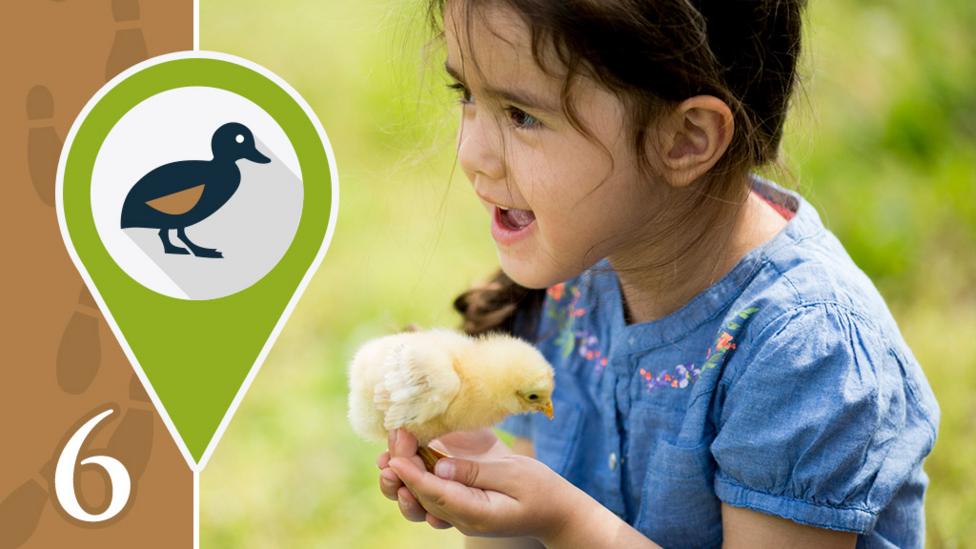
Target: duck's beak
{"points": [[548, 410], [254, 156]]}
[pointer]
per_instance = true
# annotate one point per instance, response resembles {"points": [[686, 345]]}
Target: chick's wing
{"points": [[418, 384]]}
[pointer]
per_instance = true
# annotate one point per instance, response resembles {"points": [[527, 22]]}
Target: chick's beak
{"points": [[548, 410]]}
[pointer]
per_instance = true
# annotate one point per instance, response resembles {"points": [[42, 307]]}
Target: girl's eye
{"points": [[522, 119], [463, 93]]}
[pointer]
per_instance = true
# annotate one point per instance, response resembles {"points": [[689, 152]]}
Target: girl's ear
{"points": [[694, 137]]}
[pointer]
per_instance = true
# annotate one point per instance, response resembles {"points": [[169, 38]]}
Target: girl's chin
{"points": [[524, 272]]}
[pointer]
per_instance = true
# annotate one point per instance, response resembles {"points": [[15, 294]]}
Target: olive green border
{"points": [[196, 353]]}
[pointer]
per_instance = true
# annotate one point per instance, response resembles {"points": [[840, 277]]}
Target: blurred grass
{"points": [[882, 140]]}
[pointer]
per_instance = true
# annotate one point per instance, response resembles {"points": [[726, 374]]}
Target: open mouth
{"points": [[514, 219]]}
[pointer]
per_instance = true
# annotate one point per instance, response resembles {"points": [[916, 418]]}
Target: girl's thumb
{"points": [[495, 474]]}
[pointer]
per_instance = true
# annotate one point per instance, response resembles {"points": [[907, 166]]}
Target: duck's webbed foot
{"points": [[198, 251], [168, 246]]}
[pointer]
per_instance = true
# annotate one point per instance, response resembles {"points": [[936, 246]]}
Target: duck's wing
{"points": [[177, 203], [173, 188]]}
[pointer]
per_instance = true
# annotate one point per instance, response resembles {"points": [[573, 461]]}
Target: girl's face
{"points": [[570, 201]]}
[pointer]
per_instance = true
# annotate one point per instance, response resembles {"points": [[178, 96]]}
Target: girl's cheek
{"points": [[560, 235], [545, 193]]}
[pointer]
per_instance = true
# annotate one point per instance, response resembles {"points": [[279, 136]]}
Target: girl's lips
{"points": [[503, 233]]}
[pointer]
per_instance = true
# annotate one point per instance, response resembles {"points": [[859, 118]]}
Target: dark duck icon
{"points": [[181, 194]]}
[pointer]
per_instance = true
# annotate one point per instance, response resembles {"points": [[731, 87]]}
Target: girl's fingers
{"points": [[410, 508], [443, 497], [438, 523], [382, 460], [389, 483], [469, 443], [404, 444]]}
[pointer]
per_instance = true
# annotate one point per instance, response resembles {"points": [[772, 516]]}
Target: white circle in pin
{"points": [[246, 236]]}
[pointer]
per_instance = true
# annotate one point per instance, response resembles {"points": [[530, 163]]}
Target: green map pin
{"points": [[196, 194]]}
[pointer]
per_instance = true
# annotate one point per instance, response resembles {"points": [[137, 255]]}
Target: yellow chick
{"points": [[439, 381]]}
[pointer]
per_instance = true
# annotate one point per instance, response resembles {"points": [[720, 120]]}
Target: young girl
{"points": [[725, 374]]}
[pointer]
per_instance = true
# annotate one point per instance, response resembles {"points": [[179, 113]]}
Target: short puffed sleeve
{"points": [[819, 421]]}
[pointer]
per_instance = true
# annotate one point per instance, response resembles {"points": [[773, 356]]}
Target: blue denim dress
{"points": [[785, 388]]}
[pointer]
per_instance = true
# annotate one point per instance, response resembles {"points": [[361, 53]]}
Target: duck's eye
{"points": [[533, 396], [239, 138]]}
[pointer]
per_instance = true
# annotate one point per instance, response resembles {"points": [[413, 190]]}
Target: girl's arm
{"points": [[524, 447], [518, 497], [501, 543], [522, 497], [743, 527]]}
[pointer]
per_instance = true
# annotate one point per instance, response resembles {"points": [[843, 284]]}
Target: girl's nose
{"points": [[480, 147]]}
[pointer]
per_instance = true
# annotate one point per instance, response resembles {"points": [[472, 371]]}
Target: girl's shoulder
{"points": [[821, 412], [811, 305], [804, 281]]}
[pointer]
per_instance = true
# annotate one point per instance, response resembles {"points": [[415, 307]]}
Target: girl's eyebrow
{"points": [[520, 97]]}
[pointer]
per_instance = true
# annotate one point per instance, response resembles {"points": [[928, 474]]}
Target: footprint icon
{"points": [[129, 45], [20, 512], [80, 352], [43, 143], [131, 443], [79, 358]]}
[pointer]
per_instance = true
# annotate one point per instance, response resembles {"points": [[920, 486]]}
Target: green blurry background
{"points": [[882, 140]]}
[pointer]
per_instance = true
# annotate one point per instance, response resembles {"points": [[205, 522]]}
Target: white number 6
{"points": [[64, 478]]}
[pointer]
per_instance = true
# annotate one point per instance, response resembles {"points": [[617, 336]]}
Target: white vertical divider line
{"points": [[196, 25], [196, 470], [196, 509]]}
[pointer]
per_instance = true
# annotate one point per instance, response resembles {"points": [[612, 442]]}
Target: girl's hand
{"points": [[494, 492], [509, 495], [482, 444]]}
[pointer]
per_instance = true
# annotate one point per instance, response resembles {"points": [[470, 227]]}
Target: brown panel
{"points": [[61, 363]]}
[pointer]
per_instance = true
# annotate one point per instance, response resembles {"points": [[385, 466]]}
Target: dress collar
{"points": [[715, 299]]}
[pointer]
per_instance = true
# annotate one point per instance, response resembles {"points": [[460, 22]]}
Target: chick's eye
{"points": [[464, 94], [522, 119], [533, 396]]}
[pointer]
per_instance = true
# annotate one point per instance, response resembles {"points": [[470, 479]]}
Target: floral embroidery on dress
{"points": [[585, 342], [683, 375]]}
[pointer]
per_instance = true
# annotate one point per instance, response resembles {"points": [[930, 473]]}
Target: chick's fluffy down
{"points": [[403, 380], [440, 381]]}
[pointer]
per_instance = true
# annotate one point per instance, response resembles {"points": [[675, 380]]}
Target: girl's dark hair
{"points": [[653, 54], [492, 307]]}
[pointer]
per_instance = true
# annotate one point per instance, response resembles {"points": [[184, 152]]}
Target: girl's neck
{"points": [[651, 290]]}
